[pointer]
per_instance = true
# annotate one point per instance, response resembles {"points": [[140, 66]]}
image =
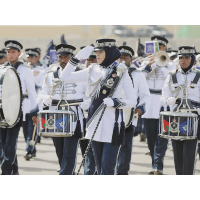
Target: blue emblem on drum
{"points": [[59, 123], [184, 127], [50, 123], [173, 126]]}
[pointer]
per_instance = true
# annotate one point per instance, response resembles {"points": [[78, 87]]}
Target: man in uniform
{"points": [[66, 147], [13, 49], [3, 58], [140, 85], [156, 77], [28, 126], [38, 63]]}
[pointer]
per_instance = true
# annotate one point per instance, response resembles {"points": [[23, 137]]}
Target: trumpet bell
{"points": [[162, 59]]}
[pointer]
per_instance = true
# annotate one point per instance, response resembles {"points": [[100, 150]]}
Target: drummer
{"points": [[13, 49], [28, 127], [184, 150], [66, 147]]}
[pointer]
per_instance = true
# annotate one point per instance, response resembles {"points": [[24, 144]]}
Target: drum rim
{"points": [[20, 88], [178, 137], [178, 114], [55, 112]]}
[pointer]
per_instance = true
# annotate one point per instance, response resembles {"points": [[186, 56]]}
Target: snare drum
{"points": [[55, 123], [10, 97], [178, 125]]}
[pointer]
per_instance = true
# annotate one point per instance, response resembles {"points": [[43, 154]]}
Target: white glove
{"points": [[198, 110], [84, 53], [171, 101], [85, 104], [47, 101], [121, 68], [108, 102]]}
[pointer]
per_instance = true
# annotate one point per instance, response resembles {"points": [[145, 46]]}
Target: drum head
{"points": [[11, 96]]}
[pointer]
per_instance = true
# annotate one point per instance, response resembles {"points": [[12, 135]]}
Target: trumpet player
{"points": [[156, 74]]}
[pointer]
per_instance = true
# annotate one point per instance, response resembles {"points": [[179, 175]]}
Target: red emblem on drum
{"points": [[43, 122], [165, 125]]}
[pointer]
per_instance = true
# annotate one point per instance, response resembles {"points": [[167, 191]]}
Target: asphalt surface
{"points": [[46, 162]]}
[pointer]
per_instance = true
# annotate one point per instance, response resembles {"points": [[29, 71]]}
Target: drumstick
{"points": [[51, 91], [70, 104], [32, 142], [175, 100]]}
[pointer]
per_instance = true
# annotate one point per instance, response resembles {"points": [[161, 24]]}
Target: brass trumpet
{"points": [[161, 58]]}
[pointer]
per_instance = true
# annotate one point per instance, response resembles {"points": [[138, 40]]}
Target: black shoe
{"points": [[142, 137], [38, 140], [158, 172], [28, 156], [151, 172], [15, 173], [33, 155], [148, 153]]}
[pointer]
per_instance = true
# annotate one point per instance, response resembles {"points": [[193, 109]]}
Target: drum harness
{"points": [[59, 83], [183, 102]]}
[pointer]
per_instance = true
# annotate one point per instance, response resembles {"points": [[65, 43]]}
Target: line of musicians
{"points": [[145, 91]]}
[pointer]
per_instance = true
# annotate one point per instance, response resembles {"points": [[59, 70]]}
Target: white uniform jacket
{"points": [[184, 79], [72, 91], [156, 77], [29, 104], [105, 129], [140, 84], [38, 73]]}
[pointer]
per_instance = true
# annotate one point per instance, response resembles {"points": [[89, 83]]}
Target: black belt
{"points": [[155, 91], [194, 103], [55, 102], [25, 96]]}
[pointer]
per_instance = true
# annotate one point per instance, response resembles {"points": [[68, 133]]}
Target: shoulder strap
{"points": [[18, 64], [55, 72], [174, 78], [196, 78], [132, 69]]}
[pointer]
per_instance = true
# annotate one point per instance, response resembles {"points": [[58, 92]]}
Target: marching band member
{"points": [[66, 147], [3, 58], [13, 49], [187, 77], [38, 63], [37, 70], [28, 126], [110, 129], [140, 85], [156, 77]]}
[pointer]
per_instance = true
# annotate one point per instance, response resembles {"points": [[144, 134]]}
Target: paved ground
{"points": [[46, 162]]}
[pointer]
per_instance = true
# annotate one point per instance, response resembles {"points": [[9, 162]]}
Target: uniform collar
{"points": [[188, 72]]}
